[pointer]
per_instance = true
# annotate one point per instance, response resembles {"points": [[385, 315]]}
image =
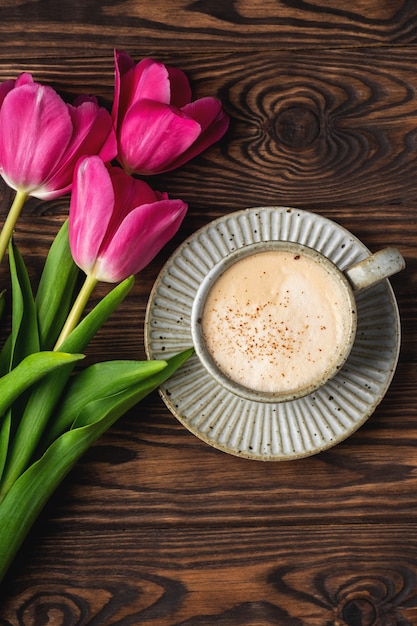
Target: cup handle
{"points": [[374, 268]]}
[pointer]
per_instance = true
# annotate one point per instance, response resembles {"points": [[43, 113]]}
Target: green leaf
{"points": [[45, 396], [56, 289], [24, 339], [2, 302], [97, 381], [29, 371], [105, 410], [5, 427], [31, 491]]}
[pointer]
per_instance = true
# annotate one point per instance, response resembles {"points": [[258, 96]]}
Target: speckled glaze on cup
{"points": [[344, 285]]}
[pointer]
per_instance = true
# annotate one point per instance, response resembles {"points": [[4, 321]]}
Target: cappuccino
{"points": [[278, 321]]}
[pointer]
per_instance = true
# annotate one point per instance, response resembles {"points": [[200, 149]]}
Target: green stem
{"points": [[10, 223], [77, 309]]}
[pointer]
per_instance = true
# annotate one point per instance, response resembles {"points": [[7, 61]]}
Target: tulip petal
{"points": [[151, 81], [147, 229], [93, 133], [129, 193], [91, 208], [124, 61], [153, 135], [214, 123], [23, 79], [147, 79], [102, 133], [5, 87], [204, 110], [122, 64], [180, 88], [35, 128]]}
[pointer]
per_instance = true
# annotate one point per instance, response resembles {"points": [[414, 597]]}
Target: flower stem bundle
{"points": [[50, 412], [51, 408]]}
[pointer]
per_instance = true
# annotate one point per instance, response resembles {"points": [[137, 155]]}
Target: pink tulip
{"points": [[8, 85], [117, 224], [158, 127], [42, 137]]}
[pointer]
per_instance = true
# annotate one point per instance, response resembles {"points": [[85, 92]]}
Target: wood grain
{"points": [[77, 27], [337, 576], [153, 526]]}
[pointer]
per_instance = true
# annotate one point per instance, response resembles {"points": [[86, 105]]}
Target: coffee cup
{"points": [[273, 321]]}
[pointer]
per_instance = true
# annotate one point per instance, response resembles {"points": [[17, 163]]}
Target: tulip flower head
{"points": [[158, 127], [42, 137], [117, 224]]}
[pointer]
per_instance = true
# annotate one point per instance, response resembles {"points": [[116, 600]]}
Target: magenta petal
{"points": [[124, 61], [148, 79], [93, 133], [129, 192], [116, 96], [91, 208], [203, 110], [123, 65], [5, 87], [92, 127], [79, 100], [152, 136], [140, 237], [214, 122], [108, 150], [180, 87], [35, 129], [24, 79]]}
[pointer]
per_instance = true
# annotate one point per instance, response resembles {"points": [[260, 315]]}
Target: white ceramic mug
{"points": [[275, 320]]}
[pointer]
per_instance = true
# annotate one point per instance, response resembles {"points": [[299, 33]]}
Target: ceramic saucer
{"points": [[271, 431]]}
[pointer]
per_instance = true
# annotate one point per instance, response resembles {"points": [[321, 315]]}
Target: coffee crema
{"points": [[277, 321]]}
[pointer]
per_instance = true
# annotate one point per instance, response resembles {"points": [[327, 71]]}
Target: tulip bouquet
{"points": [[51, 410]]}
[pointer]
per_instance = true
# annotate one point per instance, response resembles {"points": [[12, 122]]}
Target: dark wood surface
{"points": [[153, 526]]}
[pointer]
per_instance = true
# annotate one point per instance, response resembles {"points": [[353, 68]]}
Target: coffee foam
{"points": [[276, 321]]}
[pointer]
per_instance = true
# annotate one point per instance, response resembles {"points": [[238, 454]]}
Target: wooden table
{"points": [[153, 526]]}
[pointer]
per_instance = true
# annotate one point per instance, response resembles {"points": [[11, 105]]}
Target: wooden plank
{"points": [[339, 575], [76, 26]]}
